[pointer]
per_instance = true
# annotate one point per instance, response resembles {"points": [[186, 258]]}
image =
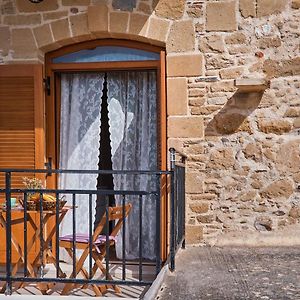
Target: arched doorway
{"points": [[120, 66]]}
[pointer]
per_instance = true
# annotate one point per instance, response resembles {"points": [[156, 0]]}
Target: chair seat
{"points": [[97, 251], [84, 238]]}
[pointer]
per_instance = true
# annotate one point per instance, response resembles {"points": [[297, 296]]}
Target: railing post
{"points": [[172, 158], [8, 290], [183, 195], [172, 208], [158, 228]]}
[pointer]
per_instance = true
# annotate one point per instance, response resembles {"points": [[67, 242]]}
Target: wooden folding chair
{"points": [[98, 248]]}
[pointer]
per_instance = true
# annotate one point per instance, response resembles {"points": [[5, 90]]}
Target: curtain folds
{"points": [[79, 141], [133, 126], [132, 112]]}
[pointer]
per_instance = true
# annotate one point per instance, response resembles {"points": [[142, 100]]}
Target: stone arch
{"points": [[99, 22]]}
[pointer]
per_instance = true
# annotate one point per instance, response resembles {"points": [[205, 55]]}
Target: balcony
{"points": [[122, 249]]}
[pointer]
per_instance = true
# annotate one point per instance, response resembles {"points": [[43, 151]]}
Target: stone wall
{"points": [[242, 140]]}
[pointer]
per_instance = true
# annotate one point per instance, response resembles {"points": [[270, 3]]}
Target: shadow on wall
{"points": [[233, 114]]}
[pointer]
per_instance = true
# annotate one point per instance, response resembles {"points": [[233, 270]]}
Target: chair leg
{"points": [[79, 268], [83, 270], [103, 270], [79, 264]]}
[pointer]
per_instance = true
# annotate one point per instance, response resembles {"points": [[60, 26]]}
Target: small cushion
{"points": [[84, 238]]}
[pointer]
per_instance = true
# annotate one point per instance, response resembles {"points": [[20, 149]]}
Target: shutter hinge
{"points": [[47, 85]]}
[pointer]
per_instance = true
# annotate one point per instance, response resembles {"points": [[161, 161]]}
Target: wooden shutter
{"points": [[21, 119]]}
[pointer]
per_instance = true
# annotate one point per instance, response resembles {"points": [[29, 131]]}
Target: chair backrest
{"points": [[116, 213]]}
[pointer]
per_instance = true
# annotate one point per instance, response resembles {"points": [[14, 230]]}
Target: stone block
{"points": [[223, 86], [43, 35], [278, 126], [181, 37], [213, 43], [194, 183], [206, 219], [5, 40], [296, 4], [185, 127], [297, 123], [218, 62], [23, 43], [292, 112], [248, 8], [228, 123], [195, 10], [54, 15], [7, 8], [199, 208], [158, 29], [280, 188], [46, 5], [294, 212], [199, 27], [221, 159], [173, 10], [269, 7], [205, 110], [178, 144], [221, 16], [76, 2], [185, 65], [98, 18], [32, 19], [118, 22], [288, 157], [236, 38], [231, 73], [278, 68], [296, 177], [197, 101], [79, 25], [269, 42], [263, 223], [239, 49], [144, 8], [193, 234], [196, 92], [177, 96], [253, 151], [60, 30], [138, 24]]}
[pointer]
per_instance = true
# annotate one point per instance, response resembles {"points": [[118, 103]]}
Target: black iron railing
{"points": [[177, 218], [175, 190]]}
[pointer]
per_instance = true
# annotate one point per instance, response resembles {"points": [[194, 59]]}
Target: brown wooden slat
{"points": [[21, 130], [17, 127]]}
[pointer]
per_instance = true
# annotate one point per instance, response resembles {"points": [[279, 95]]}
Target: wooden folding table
{"points": [[44, 254]]}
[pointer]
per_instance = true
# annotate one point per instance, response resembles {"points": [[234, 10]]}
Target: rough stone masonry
{"points": [[242, 142]]}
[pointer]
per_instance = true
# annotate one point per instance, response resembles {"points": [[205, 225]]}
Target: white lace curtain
{"points": [[79, 142], [132, 119], [133, 130]]}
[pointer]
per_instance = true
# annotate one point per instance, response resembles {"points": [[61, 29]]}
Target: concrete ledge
{"points": [[154, 288], [252, 84], [289, 236]]}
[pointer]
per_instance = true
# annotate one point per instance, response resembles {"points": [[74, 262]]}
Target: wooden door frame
{"points": [[52, 120]]}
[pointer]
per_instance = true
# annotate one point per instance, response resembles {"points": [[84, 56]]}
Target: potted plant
{"points": [[33, 200]]}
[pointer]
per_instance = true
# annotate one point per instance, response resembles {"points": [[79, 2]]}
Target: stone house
{"points": [[232, 83]]}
